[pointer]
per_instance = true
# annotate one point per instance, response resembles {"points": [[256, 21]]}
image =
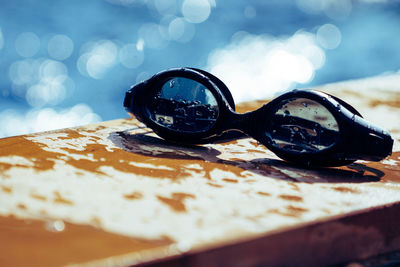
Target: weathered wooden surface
{"points": [[115, 194]]}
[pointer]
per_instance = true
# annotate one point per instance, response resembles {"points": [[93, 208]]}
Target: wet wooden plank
{"points": [[114, 194]]}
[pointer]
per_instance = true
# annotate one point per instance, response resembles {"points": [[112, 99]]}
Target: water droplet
{"points": [[180, 111], [286, 112], [305, 104], [55, 226]]}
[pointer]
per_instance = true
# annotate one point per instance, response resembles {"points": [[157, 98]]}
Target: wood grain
{"points": [[114, 193]]}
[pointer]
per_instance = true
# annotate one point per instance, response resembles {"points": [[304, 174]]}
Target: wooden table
{"points": [[115, 194]]}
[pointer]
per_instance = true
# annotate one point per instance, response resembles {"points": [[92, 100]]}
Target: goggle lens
{"points": [[302, 125], [184, 105]]}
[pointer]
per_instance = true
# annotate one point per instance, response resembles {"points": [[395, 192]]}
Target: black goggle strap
{"points": [[128, 100], [368, 141], [131, 96], [365, 140]]}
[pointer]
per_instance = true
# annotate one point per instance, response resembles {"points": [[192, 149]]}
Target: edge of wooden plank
{"points": [[342, 238]]}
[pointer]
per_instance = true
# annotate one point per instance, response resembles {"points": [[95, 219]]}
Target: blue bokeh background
{"points": [[45, 83]]}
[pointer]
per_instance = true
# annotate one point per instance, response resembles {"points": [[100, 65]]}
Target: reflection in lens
{"points": [[184, 105], [303, 125]]}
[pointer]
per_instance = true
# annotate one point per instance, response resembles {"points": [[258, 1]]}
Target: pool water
{"points": [[68, 63]]}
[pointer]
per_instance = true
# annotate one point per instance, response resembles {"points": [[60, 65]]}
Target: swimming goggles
{"points": [[307, 127]]}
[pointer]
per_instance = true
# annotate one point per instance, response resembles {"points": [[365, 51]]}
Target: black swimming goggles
{"points": [[192, 106]]}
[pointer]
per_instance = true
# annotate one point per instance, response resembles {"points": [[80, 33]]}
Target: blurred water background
{"points": [[68, 63]]}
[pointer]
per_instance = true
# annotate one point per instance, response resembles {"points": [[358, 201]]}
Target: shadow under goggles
{"points": [[307, 127]]}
